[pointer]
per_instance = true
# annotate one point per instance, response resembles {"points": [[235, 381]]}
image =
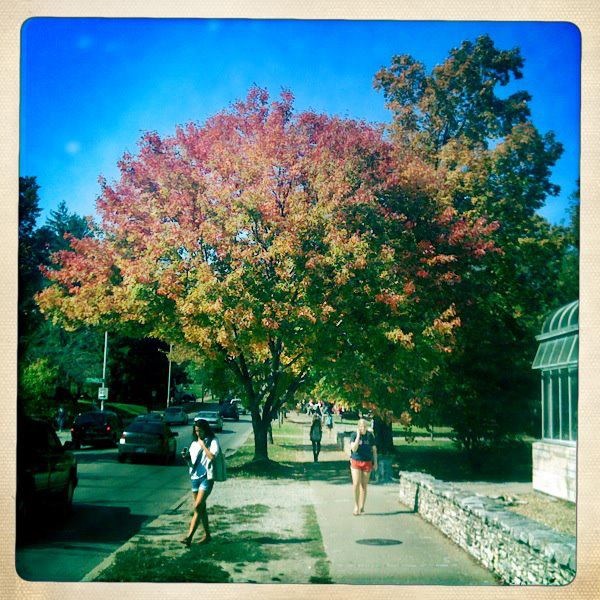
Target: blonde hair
{"points": [[363, 422]]}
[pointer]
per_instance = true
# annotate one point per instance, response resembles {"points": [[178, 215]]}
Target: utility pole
{"points": [[104, 367], [169, 377]]}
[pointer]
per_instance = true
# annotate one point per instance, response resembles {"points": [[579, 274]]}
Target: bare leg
{"points": [[204, 519], [356, 488], [198, 504], [364, 481]]}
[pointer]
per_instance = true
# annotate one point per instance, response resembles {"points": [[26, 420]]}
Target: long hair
{"points": [[204, 427]]}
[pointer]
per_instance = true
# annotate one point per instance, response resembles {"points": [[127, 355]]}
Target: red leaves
{"points": [[391, 299], [262, 225]]}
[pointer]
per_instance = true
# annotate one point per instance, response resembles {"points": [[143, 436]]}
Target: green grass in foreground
{"points": [[233, 555], [316, 548]]}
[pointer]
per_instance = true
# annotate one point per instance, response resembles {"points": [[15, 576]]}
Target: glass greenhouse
{"points": [[554, 457]]}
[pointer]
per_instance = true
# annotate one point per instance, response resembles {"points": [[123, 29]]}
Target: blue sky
{"points": [[91, 87]]}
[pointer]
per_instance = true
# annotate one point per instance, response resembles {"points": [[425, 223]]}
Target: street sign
{"points": [[94, 380], [103, 393]]}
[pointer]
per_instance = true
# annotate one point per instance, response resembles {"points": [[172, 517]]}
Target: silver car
{"points": [[213, 418], [148, 437], [175, 415]]}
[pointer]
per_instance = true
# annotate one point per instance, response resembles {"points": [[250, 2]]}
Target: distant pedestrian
{"points": [[314, 409], [200, 460], [363, 459], [329, 422], [316, 434], [61, 418]]}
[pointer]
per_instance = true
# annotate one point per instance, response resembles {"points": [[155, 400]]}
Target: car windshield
{"points": [[90, 418], [145, 427], [206, 415]]}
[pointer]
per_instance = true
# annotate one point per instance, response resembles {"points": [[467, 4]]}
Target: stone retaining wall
{"points": [[517, 549]]}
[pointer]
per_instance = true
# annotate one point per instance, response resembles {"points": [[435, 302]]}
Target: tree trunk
{"points": [[384, 440], [260, 438]]}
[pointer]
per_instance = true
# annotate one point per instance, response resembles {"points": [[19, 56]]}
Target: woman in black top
{"points": [[363, 459], [316, 433]]}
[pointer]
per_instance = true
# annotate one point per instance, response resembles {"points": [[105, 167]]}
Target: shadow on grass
{"points": [[201, 562], [509, 462], [443, 459], [336, 471]]}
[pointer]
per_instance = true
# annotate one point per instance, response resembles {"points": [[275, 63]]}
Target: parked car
{"points": [[153, 415], [175, 415], [95, 428], [213, 418], [148, 437], [241, 408], [46, 471], [229, 410]]}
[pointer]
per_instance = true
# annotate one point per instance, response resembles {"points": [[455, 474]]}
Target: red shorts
{"points": [[361, 465]]}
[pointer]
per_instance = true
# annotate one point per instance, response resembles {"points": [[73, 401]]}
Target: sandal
{"points": [[186, 541], [355, 512]]}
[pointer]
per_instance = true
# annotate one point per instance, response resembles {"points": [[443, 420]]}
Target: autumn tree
{"points": [[496, 165], [274, 244]]}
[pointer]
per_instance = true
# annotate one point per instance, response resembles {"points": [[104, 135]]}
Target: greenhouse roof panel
{"points": [[563, 320], [557, 353]]}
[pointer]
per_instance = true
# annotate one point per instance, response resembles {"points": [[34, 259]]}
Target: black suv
{"points": [[95, 428], [46, 471], [229, 410]]}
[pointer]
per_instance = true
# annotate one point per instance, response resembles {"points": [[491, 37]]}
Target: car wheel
{"points": [[121, 458]]}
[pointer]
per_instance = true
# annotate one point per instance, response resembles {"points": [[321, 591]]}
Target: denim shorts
{"points": [[203, 484]]}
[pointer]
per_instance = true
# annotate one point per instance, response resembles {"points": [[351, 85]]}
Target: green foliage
{"points": [[447, 461], [495, 165], [458, 99], [37, 384]]}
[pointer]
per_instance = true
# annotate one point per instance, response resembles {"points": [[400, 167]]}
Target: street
{"points": [[111, 503]]}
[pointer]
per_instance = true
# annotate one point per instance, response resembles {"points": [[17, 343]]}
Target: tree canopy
{"points": [[495, 164], [280, 245]]}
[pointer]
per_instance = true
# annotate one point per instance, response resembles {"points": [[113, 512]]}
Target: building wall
{"points": [[555, 469]]}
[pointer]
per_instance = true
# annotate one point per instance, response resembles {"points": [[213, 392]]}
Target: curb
{"points": [[108, 561]]}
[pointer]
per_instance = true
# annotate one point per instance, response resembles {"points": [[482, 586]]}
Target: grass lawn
{"points": [[445, 460], [285, 454]]}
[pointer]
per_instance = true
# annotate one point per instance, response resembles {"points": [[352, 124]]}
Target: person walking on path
{"points": [[363, 459], [316, 434], [329, 421], [200, 459]]}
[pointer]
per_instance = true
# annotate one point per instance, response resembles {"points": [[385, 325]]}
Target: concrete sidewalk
{"points": [[389, 543], [261, 534]]}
